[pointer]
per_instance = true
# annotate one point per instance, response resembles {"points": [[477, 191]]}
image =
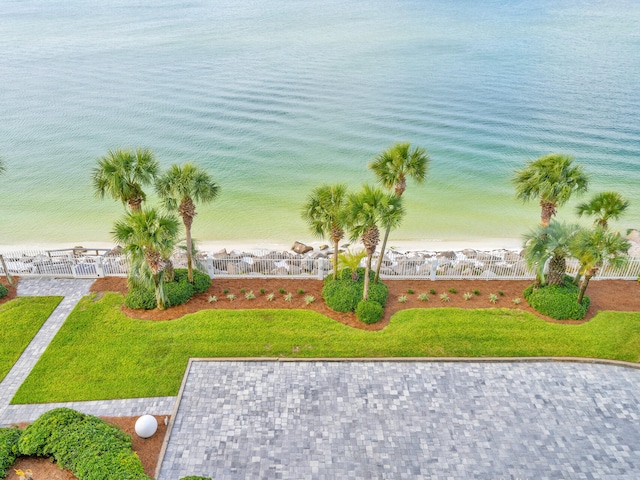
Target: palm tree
{"points": [[121, 174], [551, 243], [148, 239], [592, 248], [604, 206], [367, 209], [392, 167], [324, 212], [179, 188], [552, 179]]}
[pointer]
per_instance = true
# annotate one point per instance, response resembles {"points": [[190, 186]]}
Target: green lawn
{"points": [[101, 354], [20, 320]]}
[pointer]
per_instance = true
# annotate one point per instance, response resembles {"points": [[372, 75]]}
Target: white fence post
{"points": [[320, 268], [434, 268], [210, 265]]}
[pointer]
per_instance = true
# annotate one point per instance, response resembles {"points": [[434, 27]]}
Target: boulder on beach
{"points": [[301, 248]]}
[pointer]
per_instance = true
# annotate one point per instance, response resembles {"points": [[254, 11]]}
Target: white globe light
{"points": [[146, 426]]}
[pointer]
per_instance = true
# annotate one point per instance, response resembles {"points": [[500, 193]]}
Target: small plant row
{"points": [[445, 298], [249, 295]]}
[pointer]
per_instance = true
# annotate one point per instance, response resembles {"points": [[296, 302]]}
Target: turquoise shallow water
{"points": [[274, 98]]}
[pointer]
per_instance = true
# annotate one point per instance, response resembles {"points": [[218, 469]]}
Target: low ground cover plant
{"points": [[3, 291], [88, 446], [558, 301], [179, 291]]}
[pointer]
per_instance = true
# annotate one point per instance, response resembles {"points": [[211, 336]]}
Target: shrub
{"points": [[344, 294], [559, 302], [444, 297], [249, 295], [501, 293], [8, 448], [369, 311], [262, 290], [432, 291], [270, 297], [468, 295], [88, 446], [140, 298], [453, 290], [423, 297], [493, 298], [178, 291], [213, 298], [402, 299], [288, 297], [231, 297], [476, 292], [309, 299], [300, 291], [410, 292], [225, 291], [3, 291], [516, 301], [281, 290], [242, 290]]}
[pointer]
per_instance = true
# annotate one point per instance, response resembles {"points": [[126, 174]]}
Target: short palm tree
{"points": [[592, 248], [351, 260], [392, 167], [551, 179], [148, 239], [366, 210], [551, 243], [179, 188], [121, 174], [604, 206], [325, 214]]}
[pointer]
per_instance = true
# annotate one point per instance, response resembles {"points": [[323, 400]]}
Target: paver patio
{"points": [[438, 420]]}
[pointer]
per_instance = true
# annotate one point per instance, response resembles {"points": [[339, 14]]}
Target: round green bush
{"points": [[178, 292], [344, 294], [559, 302], [369, 311], [140, 298], [201, 282], [3, 291]]}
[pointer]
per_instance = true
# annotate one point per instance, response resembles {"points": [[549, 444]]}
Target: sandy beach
{"points": [[486, 244]]}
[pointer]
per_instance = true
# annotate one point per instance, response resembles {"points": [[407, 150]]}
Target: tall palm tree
{"points": [[552, 243], [148, 239], [392, 167], [367, 209], [121, 174], [604, 206], [325, 212], [592, 248], [179, 188], [551, 179]]}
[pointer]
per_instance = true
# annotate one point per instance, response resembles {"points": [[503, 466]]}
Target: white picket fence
{"points": [[97, 263]]}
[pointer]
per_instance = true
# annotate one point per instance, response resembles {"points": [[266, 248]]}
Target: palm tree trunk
{"points": [[187, 230], [583, 287], [335, 259], [365, 290], [548, 211], [381, 257], [557, 269], [159, 288]]}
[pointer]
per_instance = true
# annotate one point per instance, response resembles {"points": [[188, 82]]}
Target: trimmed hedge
{"points": [[369, 311], [88, 446], [8, 448], [559, 302], [344, 294], [178, 292], [3, 291]]}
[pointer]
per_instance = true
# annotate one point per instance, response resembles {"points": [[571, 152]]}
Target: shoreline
{"points": [[212, 246]]}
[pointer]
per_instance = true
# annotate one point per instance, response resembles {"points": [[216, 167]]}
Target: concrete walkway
{"points": [[72, 290]]}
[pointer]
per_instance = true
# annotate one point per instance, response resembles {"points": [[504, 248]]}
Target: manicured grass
{"points": [[101, 354], [20, 320]]}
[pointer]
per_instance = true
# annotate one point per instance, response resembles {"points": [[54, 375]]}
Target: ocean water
{"points": [[275, 98]]}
